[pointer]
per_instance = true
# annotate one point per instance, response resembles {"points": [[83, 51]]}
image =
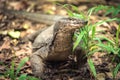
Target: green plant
{"points": [[112, 46], [12, 73], [83, 36], [25, 77], [108, 10], [90, 42], [78, 14]]}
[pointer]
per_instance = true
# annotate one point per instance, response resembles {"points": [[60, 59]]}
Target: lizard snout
{"points": [[85, 22]]}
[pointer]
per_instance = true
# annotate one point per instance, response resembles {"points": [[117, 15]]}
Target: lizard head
{"points": [[70, 24]]}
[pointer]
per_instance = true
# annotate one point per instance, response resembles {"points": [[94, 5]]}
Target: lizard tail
{"points": [[37, 17]]}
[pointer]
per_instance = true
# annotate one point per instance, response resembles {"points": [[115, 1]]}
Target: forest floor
{"points": [[13, 50]]}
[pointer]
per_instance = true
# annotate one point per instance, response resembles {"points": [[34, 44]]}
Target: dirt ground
{"points": [[12, 49]]}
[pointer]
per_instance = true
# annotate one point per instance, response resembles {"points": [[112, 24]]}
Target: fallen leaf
{"points": [[18, 4], [26, 25], [5, 45], [14, 34]]}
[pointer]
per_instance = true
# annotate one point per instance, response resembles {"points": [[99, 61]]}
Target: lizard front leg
{"points": [[37, 60], [32, 36], [80, 57], [37, 65], [41, 49]]}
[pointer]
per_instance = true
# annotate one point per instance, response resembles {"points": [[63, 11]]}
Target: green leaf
{"points": [[117, 36], [101, 7], [79, 38], [113, 10], [12, 71], [108, 20], [92, 52], [23, 77], [107, 47], [14, 34], [96, 9], [115, 71], [70, 13], [22, 62], [98, 39], [90, 11], [32, 78], [93, 31], [78, 16], [74, 8], [117, 50], [92, 67], [107, 39]]}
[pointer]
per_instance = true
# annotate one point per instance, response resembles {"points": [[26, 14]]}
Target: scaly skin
{"points": [[37, 17], [55, 44]]}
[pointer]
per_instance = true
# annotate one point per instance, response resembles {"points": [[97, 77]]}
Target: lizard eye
{"points": [[85, 22]]}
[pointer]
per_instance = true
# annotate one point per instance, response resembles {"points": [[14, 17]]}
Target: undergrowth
{"points": [[90, 42], [14, 73], [87, 36]]}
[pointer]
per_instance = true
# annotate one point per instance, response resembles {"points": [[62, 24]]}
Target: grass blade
{"points": [[23, 61], [115, 71], [23, 77], [78, 40], [92, 67]]}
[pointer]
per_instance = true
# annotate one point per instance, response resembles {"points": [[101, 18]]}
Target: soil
{"points": [[14, 50]]}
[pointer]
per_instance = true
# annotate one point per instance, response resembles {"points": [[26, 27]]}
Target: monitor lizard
{"points": [[53, 43]]}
